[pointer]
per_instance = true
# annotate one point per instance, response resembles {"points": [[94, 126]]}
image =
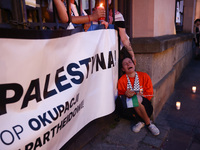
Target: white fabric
{"points": [[55, 63], [75, 11], [118, 16]]}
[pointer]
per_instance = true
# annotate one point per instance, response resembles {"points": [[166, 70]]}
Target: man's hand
{"points": [[105, 24], [87, 26], [98, 13], [129, 93]]}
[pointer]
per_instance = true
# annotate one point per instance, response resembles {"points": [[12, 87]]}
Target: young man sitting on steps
{"points": [[137, 86]]}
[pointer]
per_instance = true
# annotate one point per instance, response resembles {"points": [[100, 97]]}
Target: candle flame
{"points": [[194, 87], [101, 5]]}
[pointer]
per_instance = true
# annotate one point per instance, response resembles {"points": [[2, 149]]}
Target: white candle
{"points": [[178, 105], [194, 88]]}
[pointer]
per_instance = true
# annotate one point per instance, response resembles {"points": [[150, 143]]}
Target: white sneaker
{"points": [[154, 130], [136, 128]]}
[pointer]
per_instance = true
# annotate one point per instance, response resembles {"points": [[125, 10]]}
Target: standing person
{"points": [[196, 35], [138, 86], [120, 23]]}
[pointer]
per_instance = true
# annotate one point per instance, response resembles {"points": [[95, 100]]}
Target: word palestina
{"points": [[64, 79]]}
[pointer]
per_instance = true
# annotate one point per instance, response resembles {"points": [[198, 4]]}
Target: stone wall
{"points": [[163, 58]]}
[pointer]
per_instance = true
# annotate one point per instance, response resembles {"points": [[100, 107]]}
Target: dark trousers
{"points": [[129, 113]]}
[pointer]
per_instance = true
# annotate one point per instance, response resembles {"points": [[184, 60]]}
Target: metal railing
{"points": [[16, 14]]}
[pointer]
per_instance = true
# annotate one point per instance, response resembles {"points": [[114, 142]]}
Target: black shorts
{"points": [[129, 113]]}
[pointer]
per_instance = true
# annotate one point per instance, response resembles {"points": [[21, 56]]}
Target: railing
{"points": [[16, 14]]}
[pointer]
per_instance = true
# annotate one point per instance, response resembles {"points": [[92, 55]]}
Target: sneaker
{"points": [[154, 130], [136, 128]]}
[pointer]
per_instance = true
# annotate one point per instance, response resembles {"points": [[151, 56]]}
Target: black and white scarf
{"points": [[136, 86]]}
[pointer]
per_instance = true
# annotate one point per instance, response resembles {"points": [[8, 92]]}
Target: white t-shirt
{"points": [[118, 16], [74, 11]]}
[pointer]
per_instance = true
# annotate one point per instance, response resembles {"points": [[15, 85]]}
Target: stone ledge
{"points": [[149, 45], [162, 91]]}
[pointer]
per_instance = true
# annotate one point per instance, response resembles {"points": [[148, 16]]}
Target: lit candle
{"points": [[194, 88], [178, 105], [102, 7]]}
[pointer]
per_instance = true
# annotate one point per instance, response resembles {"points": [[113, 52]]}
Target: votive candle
{"points": [[178, 105], [101, 6], [194, 88]]}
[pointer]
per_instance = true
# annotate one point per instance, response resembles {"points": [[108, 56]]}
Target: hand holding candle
{"points": [[98, 13], [102, 8]]}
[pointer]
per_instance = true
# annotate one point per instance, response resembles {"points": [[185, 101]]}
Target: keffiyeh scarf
{"points": [[136, 86]]}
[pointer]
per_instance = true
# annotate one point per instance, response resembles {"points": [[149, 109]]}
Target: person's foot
{"points": [[136, 128], [154, 130]]}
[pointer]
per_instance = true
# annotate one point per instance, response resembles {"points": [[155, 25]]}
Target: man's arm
{"points": [[125, 40], [62, 13]]}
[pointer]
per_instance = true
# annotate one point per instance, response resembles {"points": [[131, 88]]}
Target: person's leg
{"points": [[141, 116], [141, 112], [148, 106], [144, 111]]}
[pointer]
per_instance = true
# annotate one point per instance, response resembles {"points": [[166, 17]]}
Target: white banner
{"points": [[51, 88]]}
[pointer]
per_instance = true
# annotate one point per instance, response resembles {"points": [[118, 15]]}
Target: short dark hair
{"points": [[124, 57], [123, 60], [123, 54], [196, 21]]}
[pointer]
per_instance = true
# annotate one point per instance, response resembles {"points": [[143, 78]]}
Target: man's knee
{"points": [[140, 99]]}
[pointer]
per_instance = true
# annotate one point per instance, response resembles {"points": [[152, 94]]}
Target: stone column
{"points": [[152, 18]]}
